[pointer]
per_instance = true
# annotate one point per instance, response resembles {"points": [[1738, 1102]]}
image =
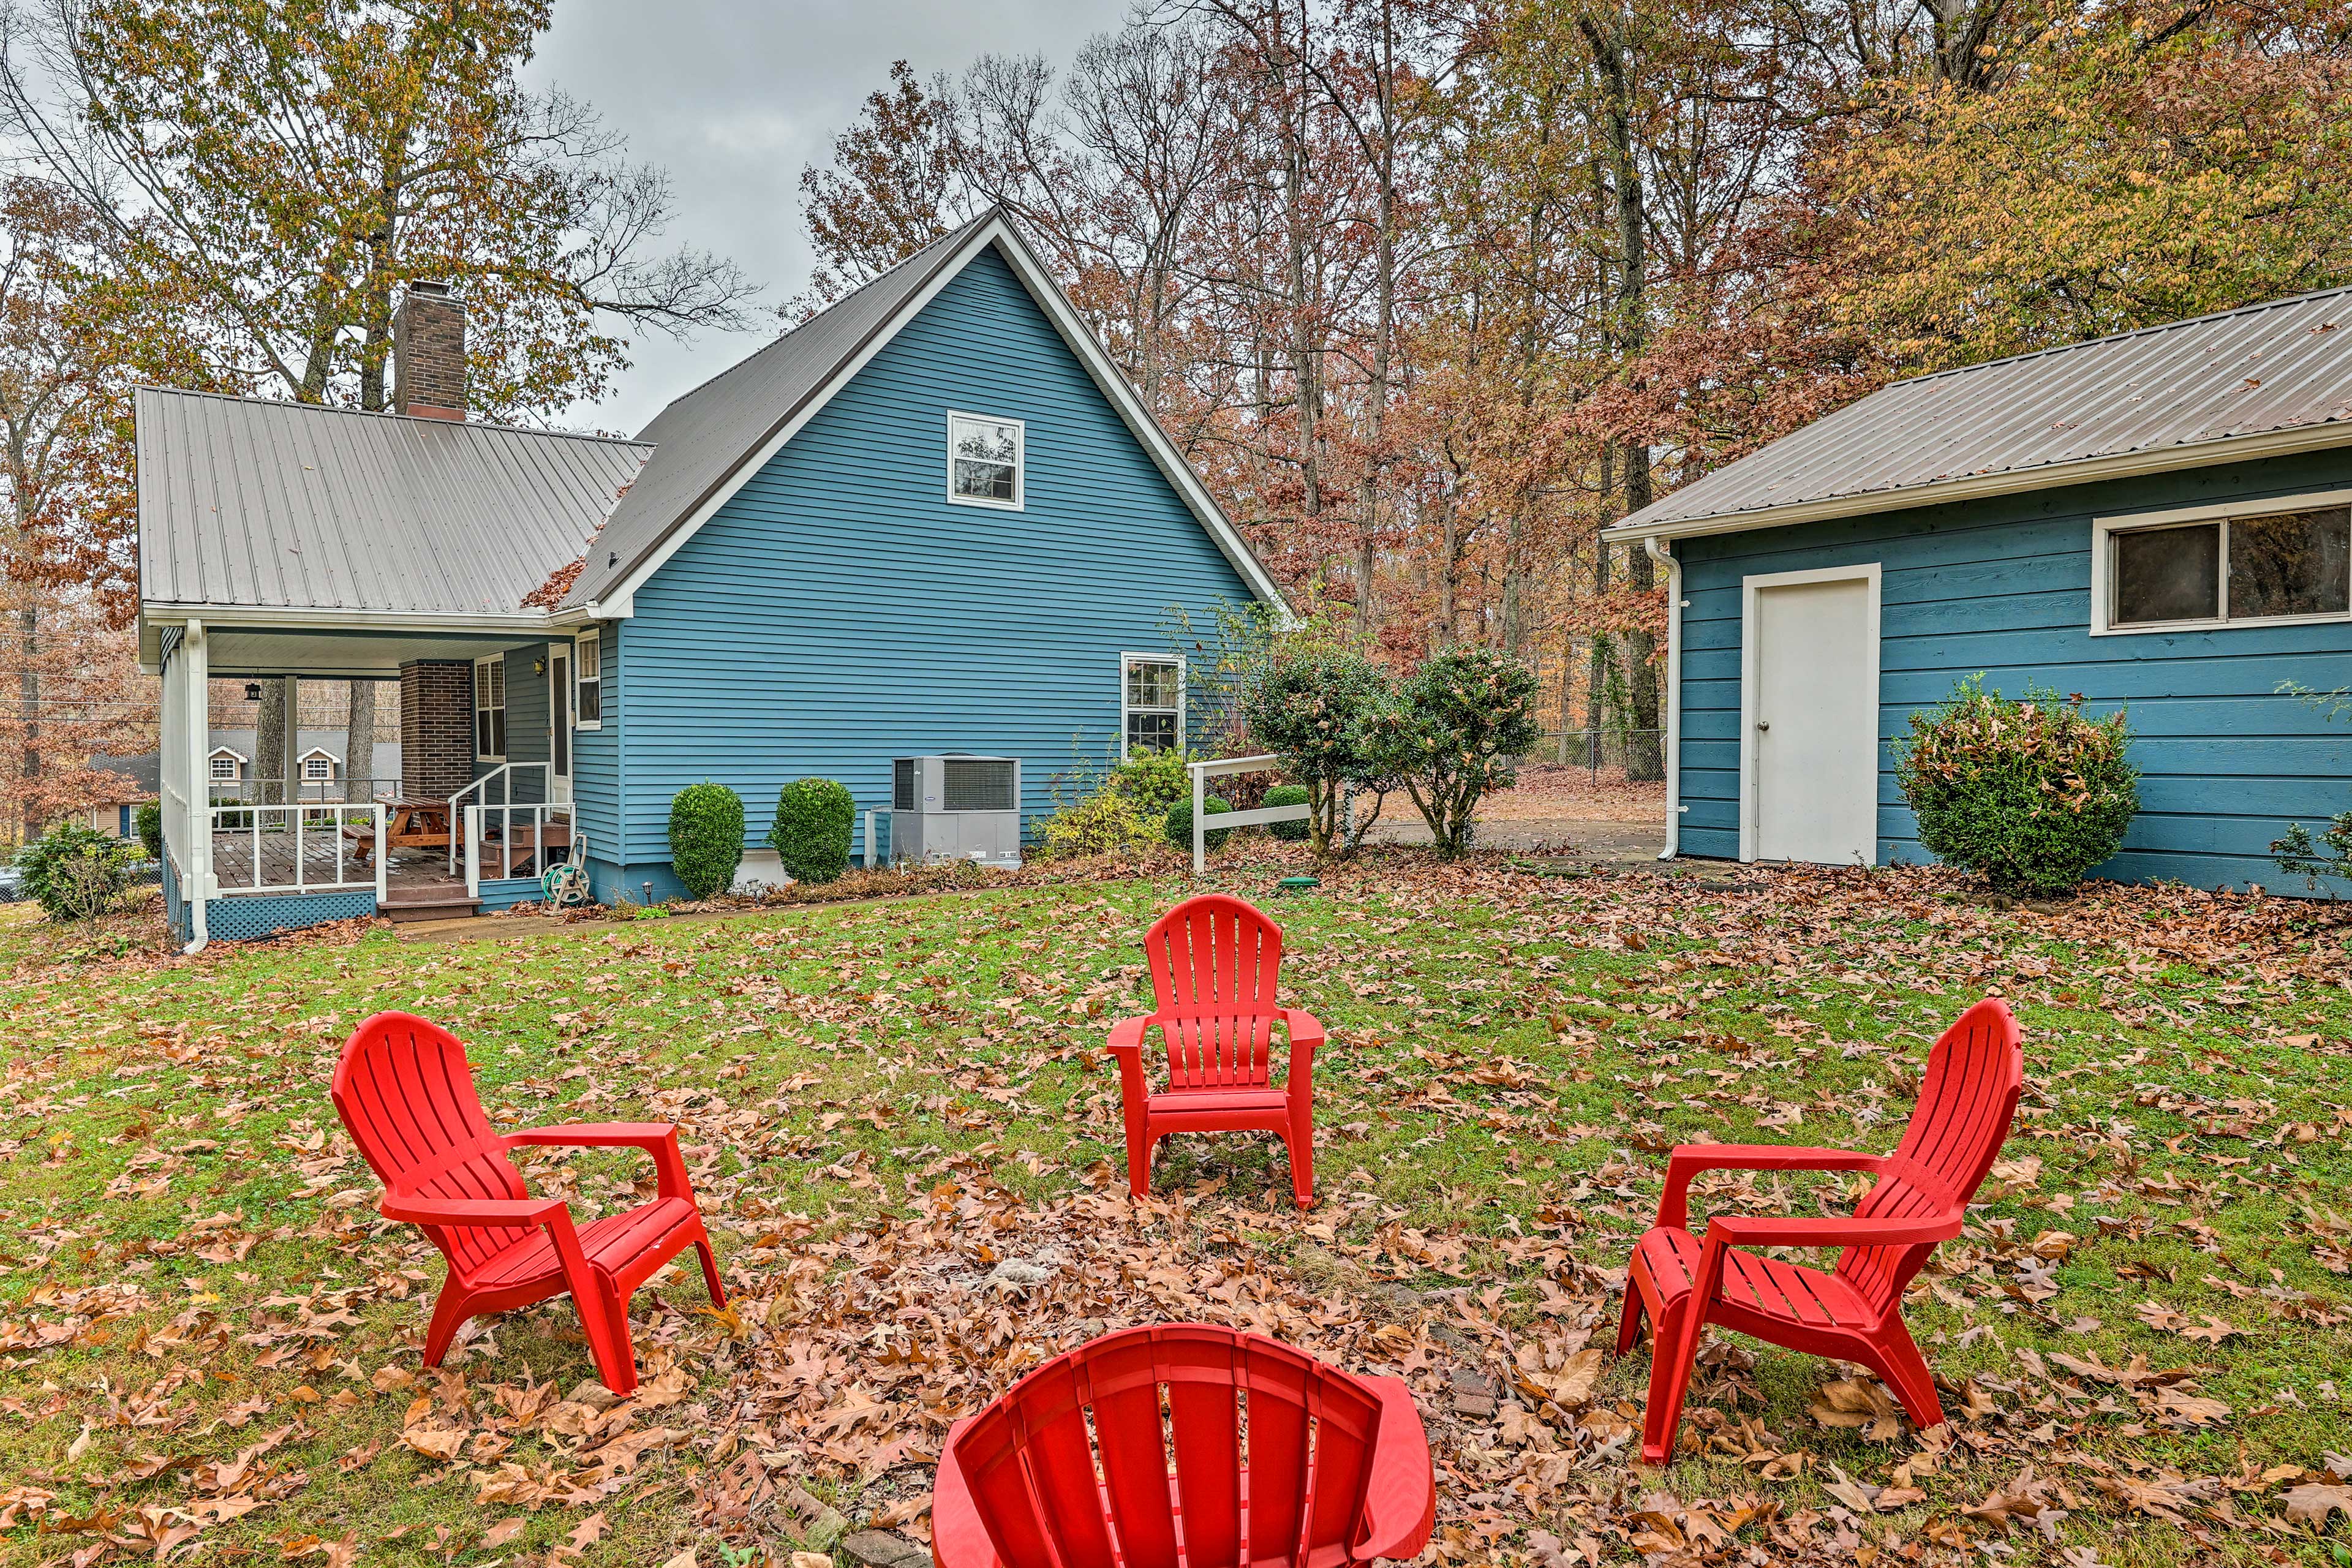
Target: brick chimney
{"points": [[428, 352]]}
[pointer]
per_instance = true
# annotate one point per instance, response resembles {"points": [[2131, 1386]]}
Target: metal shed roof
{"points": [[705, 437], [245, 502], [2276, 377]]}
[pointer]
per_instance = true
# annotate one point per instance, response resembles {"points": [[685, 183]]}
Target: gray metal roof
{"points": [[2160, 393], [703, 439], [251, 503]]}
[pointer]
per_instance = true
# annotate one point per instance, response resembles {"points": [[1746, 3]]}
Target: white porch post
{"points": [[195, 723], [1200, 813]]}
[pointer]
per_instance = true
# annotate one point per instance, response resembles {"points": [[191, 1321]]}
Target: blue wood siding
{"points": [[839, 612], [2003, 586], [526, 725], [597, 760]]}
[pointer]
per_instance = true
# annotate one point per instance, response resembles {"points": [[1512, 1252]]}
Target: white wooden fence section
{"points": [[1225, 767]]}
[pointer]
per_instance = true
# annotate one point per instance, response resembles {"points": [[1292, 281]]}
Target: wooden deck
{"points": [[411, 871]]}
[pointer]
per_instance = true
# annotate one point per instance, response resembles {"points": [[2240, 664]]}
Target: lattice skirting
{"points": [[239, 920]]}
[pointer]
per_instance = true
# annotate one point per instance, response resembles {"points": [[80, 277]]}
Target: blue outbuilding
{"points": [[933, 521], [2155, 520]]}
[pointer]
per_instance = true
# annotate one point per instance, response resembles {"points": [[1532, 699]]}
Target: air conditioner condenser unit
{"points": [[956, 807]]}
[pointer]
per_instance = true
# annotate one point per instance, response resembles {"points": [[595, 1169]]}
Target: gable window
{"points": [[223, 765], [587, 662], [984, 461], [1151, 703], [318, 766], [490, 708]]}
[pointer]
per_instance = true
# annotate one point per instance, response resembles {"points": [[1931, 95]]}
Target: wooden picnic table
{"points": [[408, 824]]}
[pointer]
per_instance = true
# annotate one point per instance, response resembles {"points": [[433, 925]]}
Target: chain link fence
{"points": [[1618, 755]]}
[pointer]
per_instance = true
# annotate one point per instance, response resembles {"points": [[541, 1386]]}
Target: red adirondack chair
{"points": [[406, 1096], [1854, 1312], [1278, 1460], [1214, 960]]}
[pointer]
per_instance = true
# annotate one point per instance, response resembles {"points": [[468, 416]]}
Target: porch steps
{"points": [[407, 905]]}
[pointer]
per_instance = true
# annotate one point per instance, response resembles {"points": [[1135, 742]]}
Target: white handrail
{"points": [[503, 772], [254, 824], [474, 822], [1223, 767]]}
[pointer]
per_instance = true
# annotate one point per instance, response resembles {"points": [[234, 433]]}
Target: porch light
{"points": [[538, 667], [253, 692]]}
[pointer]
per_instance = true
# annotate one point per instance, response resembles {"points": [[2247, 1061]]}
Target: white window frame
{"points": [[481, 708], [320, 754], [587, 669], [1020, 501], [211, 765], [2104, 528], [1127, 659]]}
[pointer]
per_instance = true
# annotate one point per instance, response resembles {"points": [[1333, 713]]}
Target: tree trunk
{"points": [[28, 698], [359, 744], [271, 742], [1644, 758], [1384, 329]]}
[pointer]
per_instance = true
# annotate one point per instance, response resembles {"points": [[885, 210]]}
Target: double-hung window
{"points": [[316, 768], [1151, 703], [224, 766], [588, 680], [490, 708], [2224, 566], [984, 461]]}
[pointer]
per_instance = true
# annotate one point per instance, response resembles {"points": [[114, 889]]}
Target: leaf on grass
{"points": [[2314, 1501]]}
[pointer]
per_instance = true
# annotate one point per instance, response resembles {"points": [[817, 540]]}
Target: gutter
{"points": [[1659, 552], [2007, 481]]}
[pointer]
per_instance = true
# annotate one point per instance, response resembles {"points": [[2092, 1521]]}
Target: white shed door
{"points": [[1815, 746]]}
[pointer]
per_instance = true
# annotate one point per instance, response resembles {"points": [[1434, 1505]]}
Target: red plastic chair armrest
{"points": [[958, 1538], [658, 1138], [1306, 1034], [485, 1213], [1745, 1230], [600, 1134], [1689, 1158], [1127, 1034], [1401, 1496]]}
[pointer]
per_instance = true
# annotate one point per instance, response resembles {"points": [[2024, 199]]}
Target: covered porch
{"points": [[480, 806]]}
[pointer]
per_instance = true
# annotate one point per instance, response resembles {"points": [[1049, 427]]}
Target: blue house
{"points": [[2157, 520], [932, 520]]}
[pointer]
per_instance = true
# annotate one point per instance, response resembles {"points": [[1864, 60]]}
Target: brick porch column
{"points": [[436, 727]]}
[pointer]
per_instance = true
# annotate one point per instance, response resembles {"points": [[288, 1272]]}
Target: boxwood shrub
{"points": [[1288, 795], [148, 822], [1178, 825], [814, 819], [2030, 793], [705, 836]]}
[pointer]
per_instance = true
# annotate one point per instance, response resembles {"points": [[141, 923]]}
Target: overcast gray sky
{"points": [[732, 97]]}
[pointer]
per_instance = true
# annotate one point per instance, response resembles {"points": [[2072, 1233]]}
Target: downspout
{"points": [[196, 693], [1660, 554]]}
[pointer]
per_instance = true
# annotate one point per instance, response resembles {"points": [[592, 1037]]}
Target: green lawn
{"points": [[207, 1343]]}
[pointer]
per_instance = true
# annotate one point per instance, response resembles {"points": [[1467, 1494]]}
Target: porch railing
{"points": [[273, 792], [305, 847], [514, 840], [479, 793]]}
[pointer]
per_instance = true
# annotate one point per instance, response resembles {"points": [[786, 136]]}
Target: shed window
{"points": [[490, 708], [2280, 566], [1151, 703], [318, 768], [984, 460], [588, 662], [223, 767]]}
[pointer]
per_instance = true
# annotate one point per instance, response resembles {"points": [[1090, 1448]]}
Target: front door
{"points": [[559, 722], [1812, 735]]}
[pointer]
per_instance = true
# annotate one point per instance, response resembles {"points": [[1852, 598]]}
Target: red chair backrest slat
{"points": [[1214, 963], [1967, 1101], [405, 1094], [1307, 1430]]}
